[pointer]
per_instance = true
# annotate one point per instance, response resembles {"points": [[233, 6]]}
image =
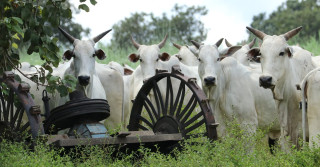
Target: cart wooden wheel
{"points": [[167, 109], [15, 104]]}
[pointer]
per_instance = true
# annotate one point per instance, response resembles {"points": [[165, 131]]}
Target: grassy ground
{"points": [[237, 149]]}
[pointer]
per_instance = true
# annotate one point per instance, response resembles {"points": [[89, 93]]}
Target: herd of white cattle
{"points": [[256, 86]]}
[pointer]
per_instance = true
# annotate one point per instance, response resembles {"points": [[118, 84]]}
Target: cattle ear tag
{"points": [[133, 57], [100, 54], [164, 56], [68, 54]]}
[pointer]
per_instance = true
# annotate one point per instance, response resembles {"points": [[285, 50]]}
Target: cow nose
{"points": [[265, 81], [84, 80], [210, 81]]}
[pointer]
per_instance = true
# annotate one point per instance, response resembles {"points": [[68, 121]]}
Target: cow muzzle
{"points": [[266, 82], [84, 80], [210, 81]]}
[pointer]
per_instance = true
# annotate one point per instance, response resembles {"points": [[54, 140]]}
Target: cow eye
{"points": [[281, 54], [140, 60], [157, 59], [199, 59]]}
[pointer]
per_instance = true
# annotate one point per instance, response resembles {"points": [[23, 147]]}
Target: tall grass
{"points": [[236, 149]]}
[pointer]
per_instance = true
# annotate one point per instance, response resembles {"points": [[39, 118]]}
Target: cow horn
{"points": [[176, 45], [161, 44], [227, 43], [135, 44], [257, 33], [252, 43], [292, 33], [196, 44], [219, 42], [97, 38], [67, 35]]}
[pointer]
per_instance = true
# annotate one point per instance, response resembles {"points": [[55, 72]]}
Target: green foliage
{"points": [[236, 149], [182, 25], [32, 27], [291, 14]]}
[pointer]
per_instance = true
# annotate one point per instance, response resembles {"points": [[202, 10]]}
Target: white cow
{"points": [[185, 55], [150, 60], [233, 92], [282, 69], [96, 80], [310, 89], [126, 72], [240, 52]]}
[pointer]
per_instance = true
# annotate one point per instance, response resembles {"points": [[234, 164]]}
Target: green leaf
{"points": [[83, 0], [18, 29], [62, 90], [93, 2], [84, 7], [27, 35], [26, 13], [17, 19], [15, 36], [14, 45]]}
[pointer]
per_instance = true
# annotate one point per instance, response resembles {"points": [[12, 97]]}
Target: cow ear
{"points": [[100, 54], [233, 49], [253, 53], [289, 51], [68, 54], [221, 58], [133, 57], [164, 56], [127, 71]]}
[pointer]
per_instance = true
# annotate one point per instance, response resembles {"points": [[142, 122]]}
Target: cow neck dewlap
{"points": [[286, 83]]}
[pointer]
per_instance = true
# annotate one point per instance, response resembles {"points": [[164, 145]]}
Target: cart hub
{"points": [[166, 125]]}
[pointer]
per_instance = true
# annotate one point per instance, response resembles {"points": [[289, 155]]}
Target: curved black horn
{"points": [[97, 38], [292, 33], [257, 33], [219, 42], [227, 43], [252, 43], [196, 44], [67, 35], [135, 44], [176, 45], [161, 44]]}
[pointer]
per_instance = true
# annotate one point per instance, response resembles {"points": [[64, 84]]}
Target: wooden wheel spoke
{"points": [[179, 93], [146, 121], [188, 109], [147, 101], [9, 106], [169, 95], [24, 127], [142, 127], [3, 104], [181, 99], [19, 121], [13, 119], [193, 127], [193, 119], [159, 95], [181, 113]]}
